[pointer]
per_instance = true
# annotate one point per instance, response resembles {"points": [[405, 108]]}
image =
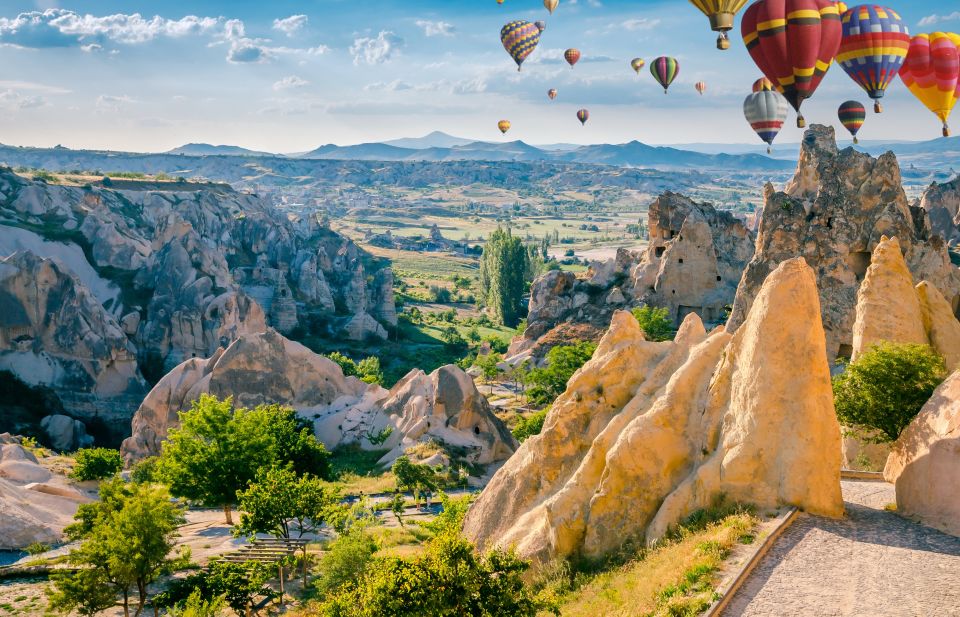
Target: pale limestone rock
{"points": [[65, 433], [887, 305], [925, 462], [647, 433], [941, 326], [362, 327]]}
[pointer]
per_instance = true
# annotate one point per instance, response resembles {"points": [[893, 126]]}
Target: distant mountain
{"points": [[436, 139], [210, 150], [637, 154], [361, 152]]}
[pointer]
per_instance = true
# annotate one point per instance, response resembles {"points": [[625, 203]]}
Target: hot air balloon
{"points": [[874, 45], [763, 84], [540, 24], [932, 72], [583, 115], [766, 112], [701, 87], [721, 14], [572, 56], [499, 1], [793, 42], [519, 38], [504, 126], [636, 64], [552, 93], [665, 70], [551, 5], [852, 115]]}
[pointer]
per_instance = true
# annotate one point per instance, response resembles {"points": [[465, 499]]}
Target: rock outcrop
{"points": [[65, 433], [925, 462], [35, 504], [833, 213], [693, 263], [942, 205], [444, 407], [646, 433]]}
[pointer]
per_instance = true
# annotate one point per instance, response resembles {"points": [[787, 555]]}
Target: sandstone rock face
{"points": [[267, 368], [833, 213], [942, 204], [646, 433], [694, 260], [65, 433], [35, 505], [925, 462]]}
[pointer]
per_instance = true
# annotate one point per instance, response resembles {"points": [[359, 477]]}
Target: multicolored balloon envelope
{"points": [[552, 93], [701, 87], [504, 126], [583, 115], [852, 115], [637, 65], [665, 70], [932, 72], [520, 38], [721, 14], [874, 45], [766, 111], [793, 42], [572, 56], [540, 24], [763, 84]]}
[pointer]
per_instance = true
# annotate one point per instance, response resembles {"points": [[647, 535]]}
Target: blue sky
{"points": [[291, 75]]}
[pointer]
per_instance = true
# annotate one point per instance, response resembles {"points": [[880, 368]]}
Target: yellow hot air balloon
{"points": [[637, 64], [721, 14], [932, 73], [504, 126], [551, 5]]}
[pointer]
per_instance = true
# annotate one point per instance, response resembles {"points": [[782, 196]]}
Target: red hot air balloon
{"points": [[572, 56], [583, 115], [793, 42], [762, 85], [852, 115], [552, 93]]}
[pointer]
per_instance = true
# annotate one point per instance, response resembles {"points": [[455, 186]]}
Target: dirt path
{"points": [[872, 563]]}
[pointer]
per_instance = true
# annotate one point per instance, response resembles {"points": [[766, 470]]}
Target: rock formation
{"points": [[925, 462], [833, 213], [267, 368], [35, 504], [646, 433], [65, 433], [694, 260], [942, 204]]}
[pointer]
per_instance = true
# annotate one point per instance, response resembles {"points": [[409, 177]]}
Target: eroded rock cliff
{"points": [[942, 204]]}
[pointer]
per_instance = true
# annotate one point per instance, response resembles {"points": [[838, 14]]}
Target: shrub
{"points": [[530, 426], [345, 560], [883, 390], [655, 323], [562, 362], [96, 464], [145, 470], [440, 295]]}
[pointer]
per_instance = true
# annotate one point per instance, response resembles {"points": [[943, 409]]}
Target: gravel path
{"points": [[873, 563]]}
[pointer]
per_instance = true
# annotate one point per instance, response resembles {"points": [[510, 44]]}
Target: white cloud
{"points": [[110, 103], [92, 47], [642, 23], [290, 25], [291, 81], [436, 28], [934, 19], [33, 86], [396, 85], [366, 50], [245, 50], [12, 100]]}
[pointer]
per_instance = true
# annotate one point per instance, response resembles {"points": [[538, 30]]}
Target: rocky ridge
{"points": [[942, 204], [646, 433]]}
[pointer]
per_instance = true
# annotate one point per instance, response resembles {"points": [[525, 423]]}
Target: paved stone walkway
{"points": [[873, 563]]}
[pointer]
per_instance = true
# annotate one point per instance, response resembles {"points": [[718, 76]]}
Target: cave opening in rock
{"points": [[660, 251], [859, 261], [845, 352]]}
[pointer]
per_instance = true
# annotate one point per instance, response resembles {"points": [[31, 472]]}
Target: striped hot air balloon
{"points": [[763, 84], [874, 45], [540, 24], [932, 72], [520, 38], [793, 42], [721, 14], [665, 70], [852, 115], [572, 56], [701, 87], [766, 111], [583, 115], [637, 65], [504, 126]]}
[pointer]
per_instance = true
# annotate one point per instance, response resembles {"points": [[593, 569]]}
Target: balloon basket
{"points": [[946, 131], [801, 123], [723, 43], [769, 150], [877, 108], [856, 141]]}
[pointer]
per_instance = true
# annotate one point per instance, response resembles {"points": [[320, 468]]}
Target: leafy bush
{"points": [[237, 583], [368, 369], [440, 295], [655, 323], [884, 389], [197, 606], [529, 426], [562, 362], [414, 477], [96, 464], [145, 470], [345, 560]]}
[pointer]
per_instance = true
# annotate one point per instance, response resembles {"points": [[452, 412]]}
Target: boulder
{"points": [[65, 433], [925, 461], [362, 327], [647, 433], [23, 471]]}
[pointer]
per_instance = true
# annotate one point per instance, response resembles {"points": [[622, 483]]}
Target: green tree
{"points": [[414, 477], [488, 365], [346, 364], [655, 323], [126, 539], [96, 464], [527, 427], [295, 442], [196, 606], [346, 559], [562, 362], [504, 271], [238, 584], [278, 497], [883, 390], [87, 591], [369, 370]]}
